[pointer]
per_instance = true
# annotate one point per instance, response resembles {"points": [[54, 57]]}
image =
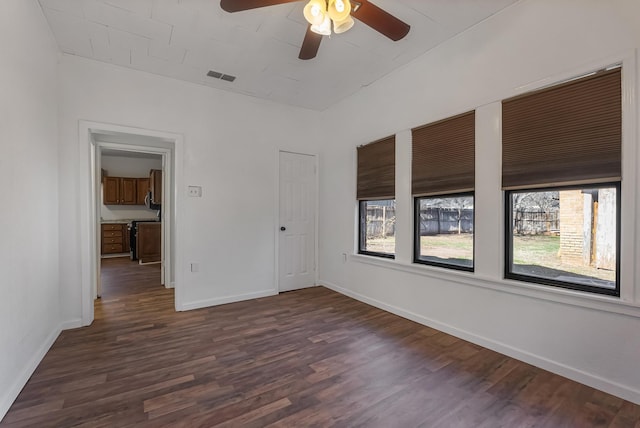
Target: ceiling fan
{"points": [[321, 13]]}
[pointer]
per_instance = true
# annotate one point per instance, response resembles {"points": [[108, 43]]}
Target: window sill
{"points": [[536, 291]]}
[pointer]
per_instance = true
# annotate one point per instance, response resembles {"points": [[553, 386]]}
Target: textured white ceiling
{"points": [[184, 39]]}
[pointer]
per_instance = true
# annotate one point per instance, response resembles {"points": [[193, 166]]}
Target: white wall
{"points": [[124, 166], [590, 339], [29, 306], [230, 149], [135, 167], [230, 145]]}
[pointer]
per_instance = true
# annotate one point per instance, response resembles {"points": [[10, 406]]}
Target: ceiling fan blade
{"points": [[310, 44], [240, 5], [381, 21]]}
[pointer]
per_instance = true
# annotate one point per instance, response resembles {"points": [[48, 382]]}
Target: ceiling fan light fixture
{"points": [[339, 10], [342, 26], [315, 12], [321, 14], [324, 28]]}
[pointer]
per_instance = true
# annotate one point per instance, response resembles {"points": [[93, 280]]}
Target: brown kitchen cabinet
{"points": [[128, 187], [111, 190], [149, 241], [120, 191], [155, 185], [142, 189], [126, 190], [113, 238]]}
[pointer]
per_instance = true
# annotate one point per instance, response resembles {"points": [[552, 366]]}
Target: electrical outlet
{"points": [[195, 267], [195, 191], [344, 257]]}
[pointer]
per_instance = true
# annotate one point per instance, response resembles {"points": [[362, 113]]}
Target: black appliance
{"points": [[133, 238], [149, 204], [133, 226]]}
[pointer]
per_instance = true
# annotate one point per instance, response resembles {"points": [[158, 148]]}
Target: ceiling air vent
{"points": [[218, 75]]}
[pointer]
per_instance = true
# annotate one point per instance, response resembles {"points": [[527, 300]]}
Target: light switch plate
{"points": [[195, 191]]}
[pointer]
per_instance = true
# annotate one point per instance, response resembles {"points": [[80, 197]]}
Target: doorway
{"points": [[129, 218], [94, 138], [297, 243]]}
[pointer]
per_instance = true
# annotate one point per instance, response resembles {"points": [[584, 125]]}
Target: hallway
{"points": [[130, 287]]}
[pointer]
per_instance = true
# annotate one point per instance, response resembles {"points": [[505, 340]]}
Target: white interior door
{"points": [[297, 235]]}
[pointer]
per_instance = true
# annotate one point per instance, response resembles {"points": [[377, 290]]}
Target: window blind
{"points": [[377, 170], [567, 134], [443, 156]]}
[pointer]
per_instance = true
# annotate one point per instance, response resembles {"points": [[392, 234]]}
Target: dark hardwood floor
{"points": [[305, 358]]}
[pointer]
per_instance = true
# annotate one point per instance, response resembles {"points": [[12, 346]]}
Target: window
{"points": [[378, 227], [376, 196], [442, 183], [567, 237], [561, 172], [444, 235]]}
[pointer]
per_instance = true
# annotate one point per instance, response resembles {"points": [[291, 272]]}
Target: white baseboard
{"points": [[114, 256], [68, 325], [623, 391], [228, 299], [10, 394]]}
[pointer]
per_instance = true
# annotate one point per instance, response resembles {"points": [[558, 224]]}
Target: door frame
{"points": [[165, 240], [170, 146], [277, 224]]}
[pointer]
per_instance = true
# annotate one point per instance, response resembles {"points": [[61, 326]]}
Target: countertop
{"points": [[127, 221]]}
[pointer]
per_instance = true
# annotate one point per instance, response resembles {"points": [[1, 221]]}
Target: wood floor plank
{"points": [[305, 358]]}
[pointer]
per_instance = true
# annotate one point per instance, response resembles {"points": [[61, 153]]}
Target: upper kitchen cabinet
{"points": [[143, 188], [155, 185], [127, 180], [120, 191], [128, 187], [111, 190]]}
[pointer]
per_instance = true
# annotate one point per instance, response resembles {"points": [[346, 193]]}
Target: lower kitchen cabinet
{"points": [[114, 238], [149, 241]]}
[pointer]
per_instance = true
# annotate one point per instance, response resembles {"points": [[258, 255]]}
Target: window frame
{"points": [[362, 221], [508, 240], [416, 233]]}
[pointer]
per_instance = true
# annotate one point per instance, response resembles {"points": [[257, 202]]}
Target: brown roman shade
{"points": [[377, 170], [568, 134], [443, 156]]}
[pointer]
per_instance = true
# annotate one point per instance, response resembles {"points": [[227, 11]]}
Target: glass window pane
{"points": [[566, 236], [445, 230], [378, 227]]}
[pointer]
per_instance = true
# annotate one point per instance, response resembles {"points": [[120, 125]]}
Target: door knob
{"points": [[282, 228]]}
